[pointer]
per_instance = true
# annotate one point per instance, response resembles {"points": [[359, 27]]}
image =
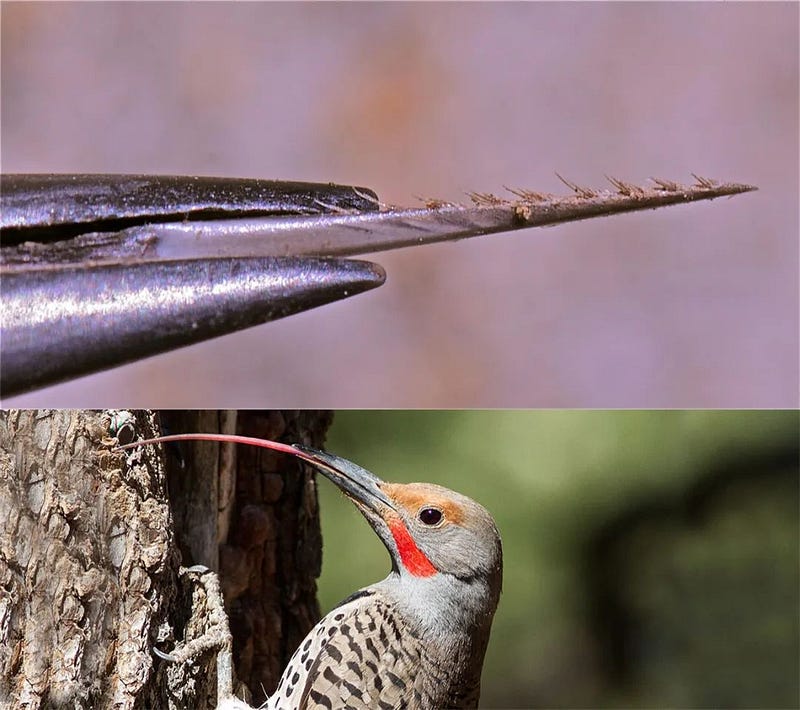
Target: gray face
{"points": [[455, 533], [448, 563]]}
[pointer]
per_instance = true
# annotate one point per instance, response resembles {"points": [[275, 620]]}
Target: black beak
{"points": [[360, 485]]}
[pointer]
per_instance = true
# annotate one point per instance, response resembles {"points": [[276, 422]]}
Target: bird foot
{"points": [[216, 637]]}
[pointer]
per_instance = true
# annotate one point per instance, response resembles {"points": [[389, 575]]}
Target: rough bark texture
{"points": [[269, 541], [92, 543], [86, 570]]}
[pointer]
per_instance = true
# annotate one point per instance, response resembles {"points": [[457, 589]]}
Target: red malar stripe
{"points": [[413, 558]]}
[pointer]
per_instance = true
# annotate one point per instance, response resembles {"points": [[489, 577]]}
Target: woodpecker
{"points": [[416, 639]]}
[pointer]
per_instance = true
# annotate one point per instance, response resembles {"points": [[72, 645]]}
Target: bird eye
{"points": [[430, 516]]}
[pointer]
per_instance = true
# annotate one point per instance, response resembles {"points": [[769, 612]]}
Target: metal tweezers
{"points": [[100, 270]]}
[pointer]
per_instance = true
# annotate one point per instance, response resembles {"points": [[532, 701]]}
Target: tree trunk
{"points": [[94, 546]]}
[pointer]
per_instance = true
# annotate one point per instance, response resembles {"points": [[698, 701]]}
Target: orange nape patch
{"points": [[413, 496]]}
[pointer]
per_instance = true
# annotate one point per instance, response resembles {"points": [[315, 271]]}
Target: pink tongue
{"points": [[413, 558]]}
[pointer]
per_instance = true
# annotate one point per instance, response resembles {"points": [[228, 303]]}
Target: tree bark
{"points": [[94, 546]]}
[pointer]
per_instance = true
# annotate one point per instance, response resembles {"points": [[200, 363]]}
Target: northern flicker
{"points": [[416, 639]]}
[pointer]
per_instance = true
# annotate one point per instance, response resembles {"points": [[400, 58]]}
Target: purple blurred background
{"points": [[691, 306]]}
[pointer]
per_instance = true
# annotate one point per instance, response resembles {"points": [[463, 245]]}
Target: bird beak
{"points": [[361, 486], [365, 489], [358, 484]]}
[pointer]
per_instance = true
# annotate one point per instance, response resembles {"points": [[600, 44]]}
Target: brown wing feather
{"points": [[365, 662]]}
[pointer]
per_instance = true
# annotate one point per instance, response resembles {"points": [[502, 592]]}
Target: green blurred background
{"points": [[651, 558]]}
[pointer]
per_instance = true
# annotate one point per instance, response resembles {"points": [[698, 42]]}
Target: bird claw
{"points": [[165, 656], [216, 636]]}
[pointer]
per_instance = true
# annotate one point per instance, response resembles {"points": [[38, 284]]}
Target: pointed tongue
{"points": [[413, 559], [223, 439]]}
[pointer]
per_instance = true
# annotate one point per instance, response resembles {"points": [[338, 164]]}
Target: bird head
{"points": [[431, 532]]}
